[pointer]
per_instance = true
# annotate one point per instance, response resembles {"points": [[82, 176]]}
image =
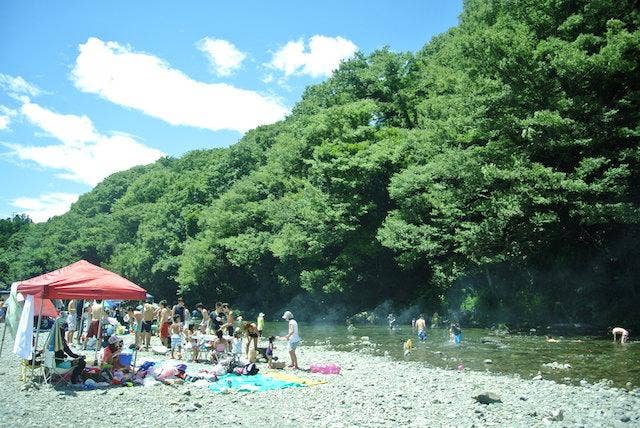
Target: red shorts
{"points": [[164, 330], [93, 329]]}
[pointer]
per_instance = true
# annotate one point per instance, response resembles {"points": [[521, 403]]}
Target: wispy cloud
{"points": [[224, 57], [85, 154], [17, 86], [323, 56], [147, 83], [45, 206], [4, 121]]}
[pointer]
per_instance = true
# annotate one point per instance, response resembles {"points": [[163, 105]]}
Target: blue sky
{"points": [[91, 88]]}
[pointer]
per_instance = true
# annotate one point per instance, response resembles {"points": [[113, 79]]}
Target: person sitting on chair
{"points": [[61, 349]]}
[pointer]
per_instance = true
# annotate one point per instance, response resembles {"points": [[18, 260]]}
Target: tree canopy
{"points": [[494, 174]]}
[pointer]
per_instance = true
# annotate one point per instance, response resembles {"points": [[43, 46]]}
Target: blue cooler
{"points": [[125, 359]]}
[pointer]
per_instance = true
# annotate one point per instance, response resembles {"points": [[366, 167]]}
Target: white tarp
{"points": [[23, 344]]}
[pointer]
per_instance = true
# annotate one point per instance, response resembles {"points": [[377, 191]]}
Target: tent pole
{"points": [[79, 332], [4, 331], [35, 346], [135, 346]]}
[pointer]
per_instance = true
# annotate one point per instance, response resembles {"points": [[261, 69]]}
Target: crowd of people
{"points": [[198, 335]]}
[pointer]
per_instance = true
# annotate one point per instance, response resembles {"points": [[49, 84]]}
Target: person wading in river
{"points": [[619, 331]]}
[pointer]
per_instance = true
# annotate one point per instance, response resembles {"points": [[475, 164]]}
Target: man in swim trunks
{"points": [[148, 315], [421, 326], [97, 312], [164, 315]]}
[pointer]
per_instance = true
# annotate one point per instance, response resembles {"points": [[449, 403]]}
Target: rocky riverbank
{"points": [[370, 391]]}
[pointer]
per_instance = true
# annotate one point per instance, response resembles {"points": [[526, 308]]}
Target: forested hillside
{"points": [[494, 173]]}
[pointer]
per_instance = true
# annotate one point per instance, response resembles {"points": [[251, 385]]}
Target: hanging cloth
{"points": [[23, 345]]}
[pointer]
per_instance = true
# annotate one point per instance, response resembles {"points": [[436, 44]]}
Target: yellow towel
{"points": [[286, 377]]}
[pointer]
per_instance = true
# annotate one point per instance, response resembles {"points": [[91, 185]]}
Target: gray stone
{"points": [[557, 415], [487, 398]]}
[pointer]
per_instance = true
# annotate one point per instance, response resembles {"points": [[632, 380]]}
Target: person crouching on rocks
{"points": [[619, 331]]}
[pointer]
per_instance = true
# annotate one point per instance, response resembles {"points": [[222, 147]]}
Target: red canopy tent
{"points": [[82, 280]]}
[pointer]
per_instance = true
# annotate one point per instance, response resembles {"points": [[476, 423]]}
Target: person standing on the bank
{"points": [[260, 324], [179, 310], [72, 321], [293, 337]]}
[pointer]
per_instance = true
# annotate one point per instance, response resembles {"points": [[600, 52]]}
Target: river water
{"points": [[591, 359]]}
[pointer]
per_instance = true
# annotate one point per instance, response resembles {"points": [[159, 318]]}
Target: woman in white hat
{"points": [[293, 337]]}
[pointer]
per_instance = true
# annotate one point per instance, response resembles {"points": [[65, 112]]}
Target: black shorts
{"points": [[146, 326]]}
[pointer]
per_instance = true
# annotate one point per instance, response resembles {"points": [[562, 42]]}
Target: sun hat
{"points": [[287, 315], [261, 314]]}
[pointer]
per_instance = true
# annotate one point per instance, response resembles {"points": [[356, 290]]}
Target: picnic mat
{"points": [[254, 383], [287, 377]]}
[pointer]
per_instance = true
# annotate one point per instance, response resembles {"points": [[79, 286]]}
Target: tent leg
{"points": [[35, 346], [4, 332], [79, 332], [98, 341]]}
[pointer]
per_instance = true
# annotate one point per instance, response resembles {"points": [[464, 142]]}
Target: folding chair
{"points": [[54, 374]]}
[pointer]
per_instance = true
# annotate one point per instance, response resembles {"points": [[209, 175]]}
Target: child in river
{"points": [[455, 334], [408, 347]]}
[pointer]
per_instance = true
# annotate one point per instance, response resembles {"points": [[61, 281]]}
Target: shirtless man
{"points": [[134, 318], [97, 312], [164, 316], [624, 334], [148, 314], [421, 326], [205, 317]]}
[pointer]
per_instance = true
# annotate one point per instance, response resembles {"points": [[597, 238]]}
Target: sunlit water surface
{"points": [[589, 358]]}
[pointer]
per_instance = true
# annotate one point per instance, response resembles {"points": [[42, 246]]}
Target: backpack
{"points": [[250, 369]]}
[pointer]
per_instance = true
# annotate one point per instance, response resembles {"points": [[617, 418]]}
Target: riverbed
{"points": [[371, 391], [569, 360]]}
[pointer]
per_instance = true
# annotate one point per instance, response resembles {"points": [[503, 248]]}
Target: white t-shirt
{"points": [[293, 326]]}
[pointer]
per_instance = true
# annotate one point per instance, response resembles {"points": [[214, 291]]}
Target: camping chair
{"points": [[54, 374]]}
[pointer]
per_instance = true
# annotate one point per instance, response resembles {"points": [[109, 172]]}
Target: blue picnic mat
{"points": [[255, 383]]}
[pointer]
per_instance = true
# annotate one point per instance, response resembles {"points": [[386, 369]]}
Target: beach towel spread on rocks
{"points": [[255, 383]]}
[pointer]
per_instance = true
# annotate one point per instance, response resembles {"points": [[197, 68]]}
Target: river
{"points": [[588, 358]]}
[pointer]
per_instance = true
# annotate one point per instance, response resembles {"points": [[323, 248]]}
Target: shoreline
{"points": [[370, 391]]}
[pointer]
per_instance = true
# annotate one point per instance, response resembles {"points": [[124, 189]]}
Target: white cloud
{"points": [[46, 205], [68, 128], [321, 59], [17, 86], [146, 83], [5, 116], [224, 57], [85, 155]]}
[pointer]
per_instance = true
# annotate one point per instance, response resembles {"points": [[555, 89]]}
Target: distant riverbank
{"points": [[370, 391]]}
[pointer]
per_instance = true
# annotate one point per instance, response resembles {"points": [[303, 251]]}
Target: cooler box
{"points": [[125, 359]]}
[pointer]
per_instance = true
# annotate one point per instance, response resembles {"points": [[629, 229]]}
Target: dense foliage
{"points": [[494, 173]]}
